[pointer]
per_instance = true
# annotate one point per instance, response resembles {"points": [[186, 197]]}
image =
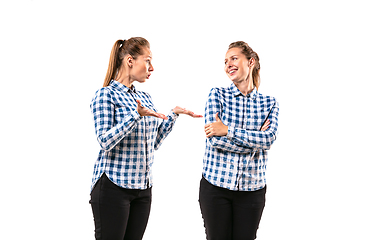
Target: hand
{"points": [[180, 110], [144, 111], [266, 125], [216, 128]]}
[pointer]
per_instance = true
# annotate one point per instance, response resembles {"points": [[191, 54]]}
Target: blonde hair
{"points": [[249, 54]]}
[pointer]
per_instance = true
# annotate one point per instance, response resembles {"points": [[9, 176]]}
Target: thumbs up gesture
{"points": [[216, 128]]}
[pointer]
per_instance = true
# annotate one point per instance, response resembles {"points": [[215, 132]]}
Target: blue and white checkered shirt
{"points": [[127, 140], [238, 160]]}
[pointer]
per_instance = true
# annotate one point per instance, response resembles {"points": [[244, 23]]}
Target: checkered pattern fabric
{"points": [[127, 140], [238, 161]]}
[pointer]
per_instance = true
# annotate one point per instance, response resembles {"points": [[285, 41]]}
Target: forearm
{"points": [[108, 136], [257, 139], [225, 144], [165, 128], [252, 139]]}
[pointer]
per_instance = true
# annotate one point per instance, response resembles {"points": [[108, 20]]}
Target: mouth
{"points": [[232, 71], [147, 77]]}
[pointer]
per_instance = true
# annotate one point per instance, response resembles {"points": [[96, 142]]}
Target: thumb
{"points": [[217, 118], [138, 102]]}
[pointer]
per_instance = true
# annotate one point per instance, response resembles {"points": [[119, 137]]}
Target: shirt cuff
{"points": [[173, 116]]}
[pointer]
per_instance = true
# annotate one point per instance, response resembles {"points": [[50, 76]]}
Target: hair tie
{"points": [[122, 43]]}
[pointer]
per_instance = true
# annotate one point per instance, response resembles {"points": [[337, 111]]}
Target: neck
{"points": [[124, 78], [245, 86]]}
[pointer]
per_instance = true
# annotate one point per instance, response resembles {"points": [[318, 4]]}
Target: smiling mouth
{"points": [[232, 71]]}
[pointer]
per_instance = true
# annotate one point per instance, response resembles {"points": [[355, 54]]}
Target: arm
{"points": [[257, 139], [216, 140], [166, 126], [108, 133]]}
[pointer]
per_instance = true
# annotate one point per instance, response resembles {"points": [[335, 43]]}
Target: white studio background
{"points": [[317, 59]]}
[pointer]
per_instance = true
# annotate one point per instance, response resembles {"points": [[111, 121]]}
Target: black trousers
{"points": [[119, 213], [230, 215]]}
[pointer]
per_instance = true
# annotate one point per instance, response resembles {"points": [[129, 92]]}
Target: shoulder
{"points": [[103, 92], [220, 92], [103, 95], [267, 100]]}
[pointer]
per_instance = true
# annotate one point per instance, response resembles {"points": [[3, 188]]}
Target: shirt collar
{"points": [[237, 92], [117, 85]]}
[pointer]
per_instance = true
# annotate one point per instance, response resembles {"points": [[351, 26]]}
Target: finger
{"points": [[139, 103], [209, 135], [163, 116], [208, 130], [265, 126], [208, 127], [192, 114], [150, 112], [217, 118], [160, 115]]}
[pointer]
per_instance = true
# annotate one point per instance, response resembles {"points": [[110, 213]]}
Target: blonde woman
{"points": [[128, 128], [241, 125]]}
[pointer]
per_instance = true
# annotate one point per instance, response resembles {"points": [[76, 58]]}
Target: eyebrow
{"points": [[231, 56]]}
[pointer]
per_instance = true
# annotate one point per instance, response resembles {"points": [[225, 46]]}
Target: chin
{"points": [[234, 80]]}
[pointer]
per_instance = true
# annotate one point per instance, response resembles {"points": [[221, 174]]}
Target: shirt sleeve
{"points": [[257, 139], [103, 110], [165, 128], [213, 105]]}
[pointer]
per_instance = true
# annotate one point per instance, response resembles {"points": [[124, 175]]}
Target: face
{"points": [[142, 67], [237, 66]]}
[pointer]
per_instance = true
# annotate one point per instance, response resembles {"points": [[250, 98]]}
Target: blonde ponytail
{"points": [[113, 63]]}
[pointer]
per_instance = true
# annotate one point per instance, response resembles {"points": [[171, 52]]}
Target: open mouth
{"points": [[232, 71]]}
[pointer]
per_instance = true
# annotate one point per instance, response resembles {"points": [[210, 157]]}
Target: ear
{"points": [[129, 60], [251, 62]]}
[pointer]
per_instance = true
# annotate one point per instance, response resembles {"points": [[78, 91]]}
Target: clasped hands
{"points": [[144, 111], [217, 128]]}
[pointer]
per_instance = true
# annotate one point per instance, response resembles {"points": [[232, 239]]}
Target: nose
{"points": [[228, 65], [151, 68]]}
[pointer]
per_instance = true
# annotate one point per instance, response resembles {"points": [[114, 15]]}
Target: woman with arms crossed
{"points": [[241, 125], [128, 130]]}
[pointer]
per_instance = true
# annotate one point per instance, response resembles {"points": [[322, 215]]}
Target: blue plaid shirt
{"points": [[238, 160], [127, 140]]}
